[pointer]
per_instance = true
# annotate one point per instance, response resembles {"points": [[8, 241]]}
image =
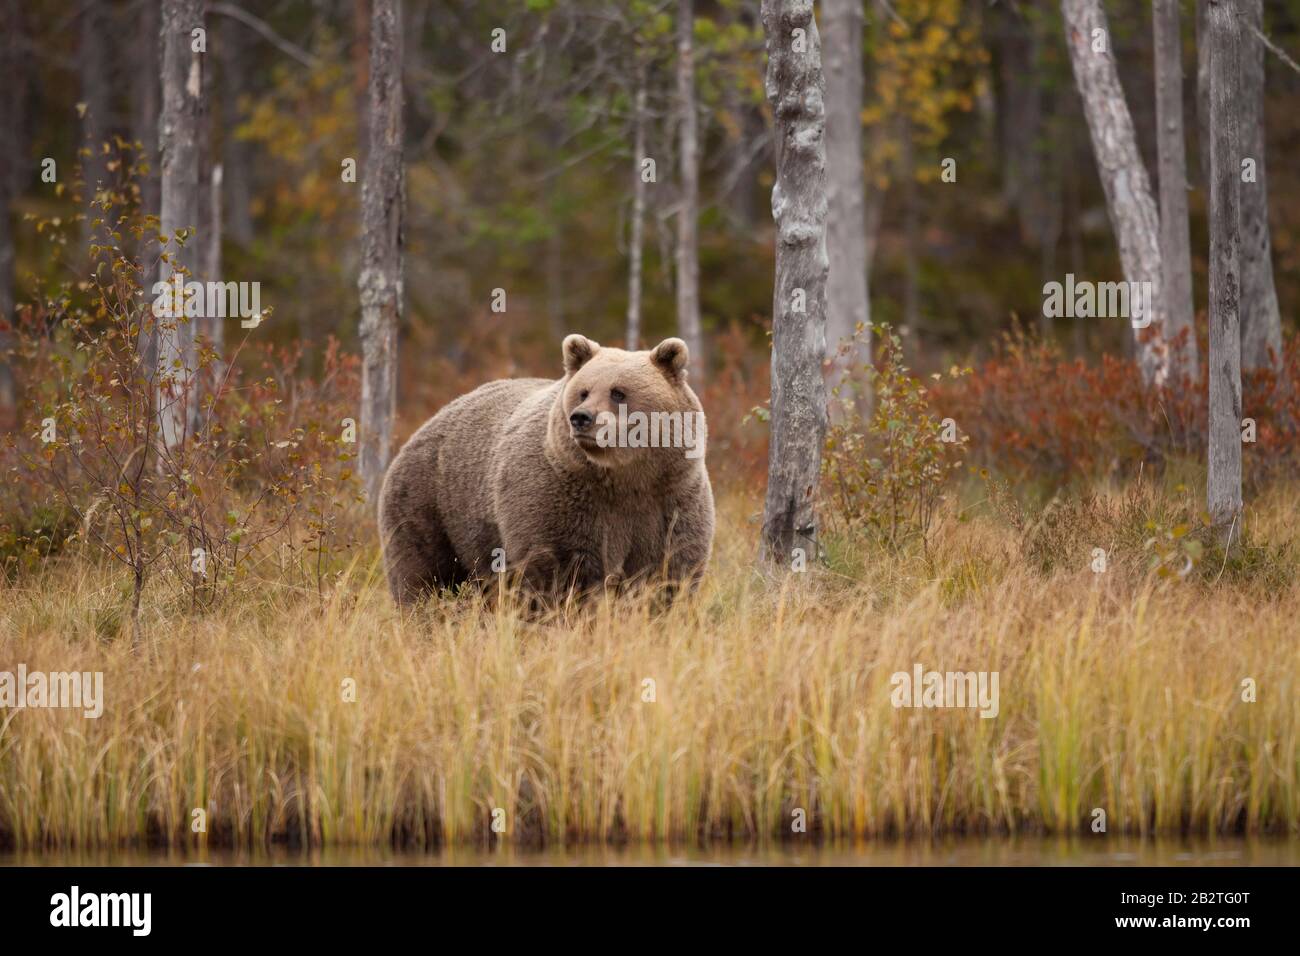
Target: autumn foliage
{"points": [[1029, 410]]}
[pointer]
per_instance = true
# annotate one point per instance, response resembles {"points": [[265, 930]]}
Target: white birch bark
{"points": [[383, 199], [178, 148], [1223, 482], [688, 263], [636, 246], [1129, 200], [848, 306], [1261, 320], [795, 88]]}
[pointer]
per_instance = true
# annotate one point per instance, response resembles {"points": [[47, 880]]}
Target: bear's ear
{"points": [[671, 355], [578, 350]]}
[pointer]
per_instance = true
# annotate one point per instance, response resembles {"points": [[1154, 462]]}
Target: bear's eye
{"points": [[617, 395], [582, 396]]}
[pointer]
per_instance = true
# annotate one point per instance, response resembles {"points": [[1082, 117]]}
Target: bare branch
{"points": [[265, 31]]}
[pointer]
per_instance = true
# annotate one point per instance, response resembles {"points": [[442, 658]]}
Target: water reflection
{"points": [[991, 851]]}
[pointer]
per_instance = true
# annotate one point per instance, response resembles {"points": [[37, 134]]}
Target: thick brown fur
{"points": [[505, 467]]}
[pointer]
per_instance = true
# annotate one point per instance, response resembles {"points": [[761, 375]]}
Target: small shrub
{"points": [[885, 473], [258, 471]]}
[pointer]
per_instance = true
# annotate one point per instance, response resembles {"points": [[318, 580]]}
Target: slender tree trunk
{"points": [[1029, 147], [638, 215], [1203, 91], [208, 239], [796, 89], [13, 75], [1133, 214], [875, 212], [1048, 220], [1045, 214], [848, 307], [146, 96], [688, 264], [749, 212], [1017, 94], [553, 260], [182, 110], [214, 326], [1261, 321], [383, 201], [739, 181], [236, 159], [911, 228], [875, 209], [93, 73], [1175, 237], [145, 103], [1073, 214], [1223, 484], [92, 67]]}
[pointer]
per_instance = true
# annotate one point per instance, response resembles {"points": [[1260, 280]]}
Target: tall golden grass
{"points": [[1118, 691]]}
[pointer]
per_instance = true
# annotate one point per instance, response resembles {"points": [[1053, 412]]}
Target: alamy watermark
{"points": [[175, 298], [133, 911], [651, 430], [1101, 300], [55, 689], [922, 688]]}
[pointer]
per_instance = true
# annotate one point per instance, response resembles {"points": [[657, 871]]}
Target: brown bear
{"points": [[594, 479]]}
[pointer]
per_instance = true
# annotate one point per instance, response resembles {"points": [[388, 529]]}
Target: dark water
{"points": [[992, 851]]}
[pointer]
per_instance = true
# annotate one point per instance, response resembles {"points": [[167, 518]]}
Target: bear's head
{"points": [[623, 409]]}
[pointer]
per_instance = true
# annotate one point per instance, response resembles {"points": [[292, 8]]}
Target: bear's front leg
{"points": [[544, 570]]}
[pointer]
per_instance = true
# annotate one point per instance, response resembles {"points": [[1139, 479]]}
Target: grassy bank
{"points": [[1120, 691]]}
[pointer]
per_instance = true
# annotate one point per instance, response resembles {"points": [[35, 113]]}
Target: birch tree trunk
{"points": [[848, 306], [1261, 322], [637, 243], [688, 263], [795, 88], [182, 109], [1223, 483], [383, 200], [1171, 148], [1132, 209]]}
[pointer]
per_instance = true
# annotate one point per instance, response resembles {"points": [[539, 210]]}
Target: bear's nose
{"points": [[580, 420]]}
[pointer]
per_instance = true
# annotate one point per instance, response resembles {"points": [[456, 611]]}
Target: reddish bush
{"points": [[1030, 411]]}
